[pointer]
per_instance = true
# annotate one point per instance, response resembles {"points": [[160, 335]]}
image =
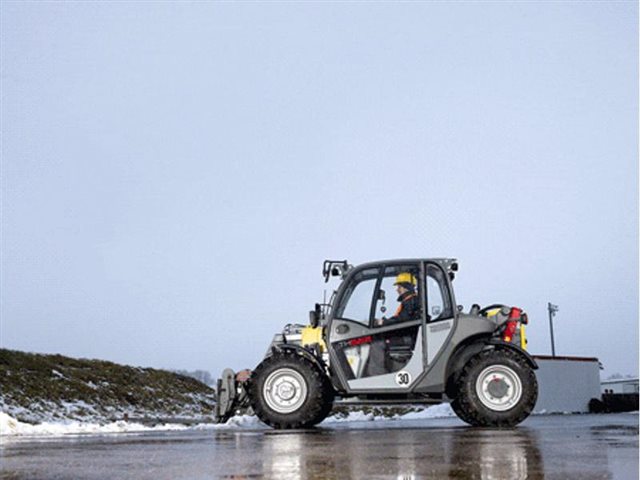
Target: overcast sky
{"points": [[174, 174]]}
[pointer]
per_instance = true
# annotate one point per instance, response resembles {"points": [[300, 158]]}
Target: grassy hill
{"points": [[36, 388]]}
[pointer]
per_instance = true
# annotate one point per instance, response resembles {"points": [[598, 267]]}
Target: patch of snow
{"points": [[355, 417], [442, 410], [239, 421], [11, 426]]}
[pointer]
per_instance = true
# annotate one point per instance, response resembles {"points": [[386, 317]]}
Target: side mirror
{"points": [[315, 315], [460, 308], [313, 319]]}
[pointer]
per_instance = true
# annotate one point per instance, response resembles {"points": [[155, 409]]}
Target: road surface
{"points": [[550, 447]]}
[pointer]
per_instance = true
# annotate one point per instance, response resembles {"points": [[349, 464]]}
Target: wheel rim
{"points": [[285, 390], [499, 388]]}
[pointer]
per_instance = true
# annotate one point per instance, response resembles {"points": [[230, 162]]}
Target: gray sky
{"points": [[174, 174]]}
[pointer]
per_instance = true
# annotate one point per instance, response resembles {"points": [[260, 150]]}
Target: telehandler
{"points": [[424, 350]]}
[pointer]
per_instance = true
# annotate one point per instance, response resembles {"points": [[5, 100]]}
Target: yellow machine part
{"points": [[311, 336], [523, 338]]}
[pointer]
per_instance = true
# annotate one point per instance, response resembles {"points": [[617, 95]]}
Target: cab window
{"points": [[356, 301], [389, 308], [438, 299]]}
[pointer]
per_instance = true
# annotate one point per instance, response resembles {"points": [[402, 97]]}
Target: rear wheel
{"points": [[496, 388], [289, 391], [459, 411]]}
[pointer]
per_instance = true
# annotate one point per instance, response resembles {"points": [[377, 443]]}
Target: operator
{"points": [[409, 308], [379, 362]]}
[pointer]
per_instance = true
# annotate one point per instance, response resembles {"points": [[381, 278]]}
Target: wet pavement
{"points": [[551, 447]]}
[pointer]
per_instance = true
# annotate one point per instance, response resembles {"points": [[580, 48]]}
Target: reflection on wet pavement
{"points": [[584, 446], [403, 453]]}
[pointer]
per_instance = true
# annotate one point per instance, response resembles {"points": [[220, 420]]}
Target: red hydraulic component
{"points": [[509, 330], [515, 313], [360, 341]]}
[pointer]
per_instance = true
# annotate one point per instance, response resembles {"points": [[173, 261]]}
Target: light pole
{"points": [[552, 312]]}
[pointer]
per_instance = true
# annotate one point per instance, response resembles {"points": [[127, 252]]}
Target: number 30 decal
{"points": [[403, 378]]}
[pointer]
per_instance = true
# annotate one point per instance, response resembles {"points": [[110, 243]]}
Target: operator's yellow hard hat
{"points": [[406, 277]]}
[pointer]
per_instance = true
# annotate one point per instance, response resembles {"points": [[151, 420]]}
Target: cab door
{"points": [[440, 310], [373, 343]]}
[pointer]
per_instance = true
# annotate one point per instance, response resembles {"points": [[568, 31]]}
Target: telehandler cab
{"points": [[352, 351]]}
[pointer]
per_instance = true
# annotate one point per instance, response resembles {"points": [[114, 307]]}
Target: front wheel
{"points": [[497, 388], [289, 391]]}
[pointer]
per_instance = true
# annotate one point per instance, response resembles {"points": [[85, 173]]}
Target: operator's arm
{"points": [[409, 309]]}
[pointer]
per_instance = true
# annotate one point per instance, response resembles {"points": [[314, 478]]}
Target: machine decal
{"points": [[403, 378]]}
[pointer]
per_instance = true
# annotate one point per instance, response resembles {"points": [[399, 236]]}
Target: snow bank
{"points": [[9, 426]]}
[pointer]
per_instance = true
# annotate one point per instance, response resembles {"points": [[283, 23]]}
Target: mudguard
{"points": [[502, 344], [290, 347], [467, 350]]}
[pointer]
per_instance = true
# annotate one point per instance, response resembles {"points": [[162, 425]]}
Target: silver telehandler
{"points": [[424, 350]]}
